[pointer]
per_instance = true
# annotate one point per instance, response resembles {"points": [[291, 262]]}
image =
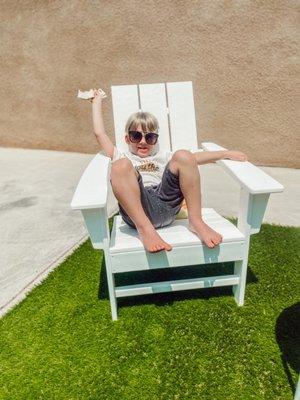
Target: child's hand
{"points": [[235, 155], [99, 96]]}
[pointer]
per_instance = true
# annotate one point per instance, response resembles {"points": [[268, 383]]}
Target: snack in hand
{"points": [[89, 94]]}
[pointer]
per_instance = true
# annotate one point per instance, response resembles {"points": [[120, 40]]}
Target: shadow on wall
{"points": [[288, 338]]}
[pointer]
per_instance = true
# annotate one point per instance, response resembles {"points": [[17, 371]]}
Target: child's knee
{"points": [[183, 156], [121, 166]]}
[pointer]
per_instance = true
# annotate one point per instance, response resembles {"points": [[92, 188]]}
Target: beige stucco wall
{"points": [[241, 56]]}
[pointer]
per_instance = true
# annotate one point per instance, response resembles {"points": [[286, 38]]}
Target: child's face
{"points": [[142, 149]]}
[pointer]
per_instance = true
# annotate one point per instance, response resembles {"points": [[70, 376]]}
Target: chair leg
{"points": [[240, 269], [112, 295], [111, 286]]}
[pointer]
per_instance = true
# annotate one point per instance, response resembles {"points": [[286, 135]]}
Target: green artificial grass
{"points": [[60, 342]]}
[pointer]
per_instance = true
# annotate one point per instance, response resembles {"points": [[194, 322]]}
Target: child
{"points": [[150, 185]]}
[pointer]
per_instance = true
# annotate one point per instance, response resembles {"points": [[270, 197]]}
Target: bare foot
{"points": [[210, 237], [152, 241]]}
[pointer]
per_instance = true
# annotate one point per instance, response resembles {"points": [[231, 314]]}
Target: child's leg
{"points": [[126, 189], [184, 164]]}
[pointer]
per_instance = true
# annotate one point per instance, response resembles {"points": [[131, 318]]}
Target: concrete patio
{"points": [[38, 229]]}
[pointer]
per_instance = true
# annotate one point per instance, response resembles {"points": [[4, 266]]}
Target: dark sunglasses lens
{"points": [[135, 136], [151, 138]]}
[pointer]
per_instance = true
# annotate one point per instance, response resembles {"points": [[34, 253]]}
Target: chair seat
{"points": [[125, 238]]}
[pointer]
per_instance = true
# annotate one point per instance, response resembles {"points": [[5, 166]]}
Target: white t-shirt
{"points": [[151, 168]]}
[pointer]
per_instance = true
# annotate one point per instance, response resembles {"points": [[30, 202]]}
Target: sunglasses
{"points": [[136, 137]]}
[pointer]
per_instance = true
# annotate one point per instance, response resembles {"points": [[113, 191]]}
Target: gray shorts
{"points": [[160, 202]]}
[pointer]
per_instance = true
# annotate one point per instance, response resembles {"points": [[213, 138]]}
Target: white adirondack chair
{"points": [[173, 105]]}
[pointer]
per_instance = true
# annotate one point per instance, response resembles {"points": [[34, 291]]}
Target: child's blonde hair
{"points": [[147, 120]]}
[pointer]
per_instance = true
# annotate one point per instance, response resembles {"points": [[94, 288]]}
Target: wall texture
{"points": [[240, 54]]}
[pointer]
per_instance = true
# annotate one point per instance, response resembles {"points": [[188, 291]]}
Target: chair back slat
{"points": [[153, 99], [182, 115], [171, 103], [125, 101]]}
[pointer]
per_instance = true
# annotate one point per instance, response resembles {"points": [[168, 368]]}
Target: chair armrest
{"points": [[92, 189], [91, 198], [252, 178]]}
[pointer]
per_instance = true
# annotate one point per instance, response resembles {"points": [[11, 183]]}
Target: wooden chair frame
{"points": [[173, 105]]}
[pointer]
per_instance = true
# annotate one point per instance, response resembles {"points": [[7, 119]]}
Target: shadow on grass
{"points": [[165, 274], [287, 331]]}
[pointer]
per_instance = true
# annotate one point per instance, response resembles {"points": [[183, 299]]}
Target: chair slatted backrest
{"points": [[172, 104]]}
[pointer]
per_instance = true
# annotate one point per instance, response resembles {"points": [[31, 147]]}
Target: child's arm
{"points": [[205, 157], [99, 130]]}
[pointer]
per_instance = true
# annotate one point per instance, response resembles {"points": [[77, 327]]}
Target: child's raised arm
{"points": [[99, 130]]}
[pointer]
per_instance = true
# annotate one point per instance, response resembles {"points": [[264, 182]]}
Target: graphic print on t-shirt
{"points": [[148, 166], [151, 168]]}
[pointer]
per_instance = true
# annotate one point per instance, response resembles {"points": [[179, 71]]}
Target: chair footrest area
{"points": [[173, 286]]}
